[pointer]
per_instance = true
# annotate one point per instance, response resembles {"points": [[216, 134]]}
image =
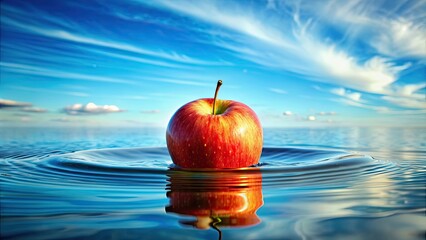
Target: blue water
{"points": [[319, 183]]}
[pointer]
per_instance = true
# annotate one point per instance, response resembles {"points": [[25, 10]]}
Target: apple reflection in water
{"points": [[216, 199]]}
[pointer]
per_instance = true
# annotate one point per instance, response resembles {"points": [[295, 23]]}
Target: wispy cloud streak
{"points": [[81, 37], [31, 89], [6, 103], [294, 43], [38, 71]]}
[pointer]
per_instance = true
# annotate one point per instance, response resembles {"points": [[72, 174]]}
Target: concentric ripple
{"points": [[87, 194], [151, 166]]}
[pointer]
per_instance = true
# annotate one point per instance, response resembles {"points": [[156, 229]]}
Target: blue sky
{"points": [[134, 63]]}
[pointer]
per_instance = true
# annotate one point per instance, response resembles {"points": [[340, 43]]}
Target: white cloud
{"points": [[286, 41], [34, 110], [421, 112], [295, 44], [354, 96], [338, 91], [407, 96], [402, 38], [311, 118], [20, 106], [90, 109], [5, 103], [406, 102], [294, 50], [403, 96], [409, 90], [213, 12], [277, 90], [288, 113], [350, 102], [393, 31], [374, 75]]}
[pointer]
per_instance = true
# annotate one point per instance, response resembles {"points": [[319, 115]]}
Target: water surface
{"points": [[351, 183]]}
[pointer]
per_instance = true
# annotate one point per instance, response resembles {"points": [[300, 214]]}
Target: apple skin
{"points": [[232, 138], [232, 197]]}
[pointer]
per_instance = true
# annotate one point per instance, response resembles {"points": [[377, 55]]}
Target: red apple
{"points": [[210, 133], [216, 199]]}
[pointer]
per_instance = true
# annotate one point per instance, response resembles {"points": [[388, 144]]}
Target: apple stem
{"points": [[213, 225], [219, 83]]}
